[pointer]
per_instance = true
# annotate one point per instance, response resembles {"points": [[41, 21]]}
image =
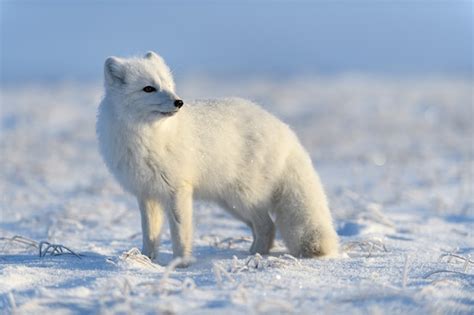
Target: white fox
{"points": [[229, 151]]}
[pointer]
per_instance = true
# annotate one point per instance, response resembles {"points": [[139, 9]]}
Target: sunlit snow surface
{"points": [[395, 156]]}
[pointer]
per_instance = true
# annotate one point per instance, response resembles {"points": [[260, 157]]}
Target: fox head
{"points": [[141, 89]]}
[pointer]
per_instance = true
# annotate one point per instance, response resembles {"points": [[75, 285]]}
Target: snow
{"points": [[395, 156]]}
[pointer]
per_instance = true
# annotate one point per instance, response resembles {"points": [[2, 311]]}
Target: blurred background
{"points": [[379, 92], [57, 40]]}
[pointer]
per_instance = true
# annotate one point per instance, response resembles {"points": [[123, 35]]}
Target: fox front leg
{"points": [[152, 216], [180, 218]]}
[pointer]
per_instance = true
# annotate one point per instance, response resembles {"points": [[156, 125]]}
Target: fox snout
{"points": [[178, 103]]}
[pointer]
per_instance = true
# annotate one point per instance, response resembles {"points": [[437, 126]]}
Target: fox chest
{"points": [[142, 170]]}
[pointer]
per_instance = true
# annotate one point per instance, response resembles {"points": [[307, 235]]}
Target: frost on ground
{"points": [[396, 159]]}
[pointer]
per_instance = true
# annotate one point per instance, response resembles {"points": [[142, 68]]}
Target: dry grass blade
{"points": [[290, 257], [169, 285], [467, 260], [406, 269], [220, 273], [43, 247], [429, 274], [368, 246], [134, 255], [254, 262], [257, 262], [55, 250], [20, 240], [228, 242]]}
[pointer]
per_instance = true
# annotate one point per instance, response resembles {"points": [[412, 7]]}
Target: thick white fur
{"points": [[229, 151]]}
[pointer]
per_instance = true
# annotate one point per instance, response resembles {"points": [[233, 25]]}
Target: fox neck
{"points": [[156, 131], [115, 132]]}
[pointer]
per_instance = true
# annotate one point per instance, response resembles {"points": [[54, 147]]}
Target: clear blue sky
{"points": [[54, 40]]}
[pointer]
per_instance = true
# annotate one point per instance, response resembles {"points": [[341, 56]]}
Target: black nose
{"points": [[178, 103]]}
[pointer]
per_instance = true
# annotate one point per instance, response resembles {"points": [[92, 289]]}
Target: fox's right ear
{"points": [[114, 71]]}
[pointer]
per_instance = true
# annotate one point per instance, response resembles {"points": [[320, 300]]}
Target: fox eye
{"points": [[149, 89]]}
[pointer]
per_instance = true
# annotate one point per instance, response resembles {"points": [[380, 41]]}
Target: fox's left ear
{"points": [[151, 55], [164, 69], [154, 56]]}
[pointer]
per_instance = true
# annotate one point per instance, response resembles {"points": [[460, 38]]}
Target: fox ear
{"points": [[114, 71], [151, 55], [164, 69], [154, 56]]}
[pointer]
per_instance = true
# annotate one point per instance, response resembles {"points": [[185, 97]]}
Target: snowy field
{"points": [[395, 157]]}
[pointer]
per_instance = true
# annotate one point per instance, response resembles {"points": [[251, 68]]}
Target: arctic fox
{"points": [[229, 151]]}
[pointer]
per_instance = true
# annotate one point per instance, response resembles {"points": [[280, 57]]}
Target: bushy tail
{"points": [[302, 213]]}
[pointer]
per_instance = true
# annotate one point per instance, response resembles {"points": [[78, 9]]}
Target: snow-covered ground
{"points": [[395, 156]]}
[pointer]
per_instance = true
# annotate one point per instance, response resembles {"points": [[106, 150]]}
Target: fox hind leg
{"points": [[263, 230]]}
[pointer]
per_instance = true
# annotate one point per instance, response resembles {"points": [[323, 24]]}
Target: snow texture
{"points": [[395, 157]]}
